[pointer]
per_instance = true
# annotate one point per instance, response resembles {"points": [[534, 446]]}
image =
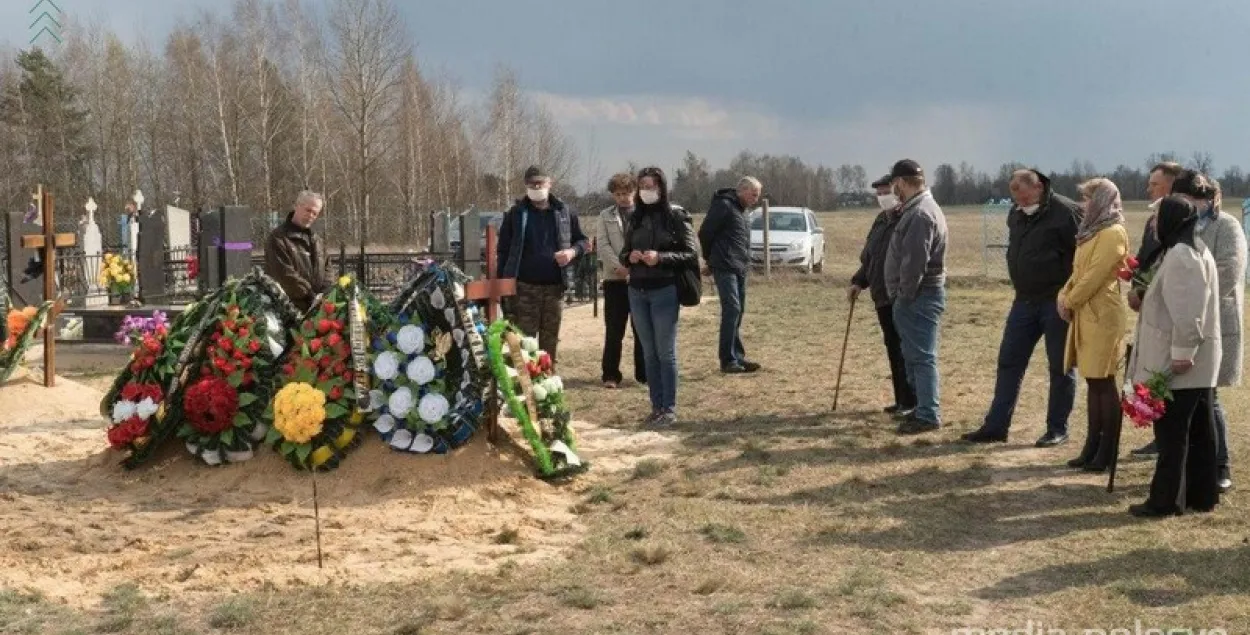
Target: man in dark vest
{"points": [[538, 239]]}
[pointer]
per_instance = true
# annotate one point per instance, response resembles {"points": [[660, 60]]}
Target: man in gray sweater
{"points": [[915, 280]]}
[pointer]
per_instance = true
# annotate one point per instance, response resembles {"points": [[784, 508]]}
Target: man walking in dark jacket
{"points": [[538, 239], [871, 276], [725, 238], [295, 256], [1042, 228]]}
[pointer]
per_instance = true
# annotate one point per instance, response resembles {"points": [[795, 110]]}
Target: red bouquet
{"points": [[1146, 402], [211, 404]]}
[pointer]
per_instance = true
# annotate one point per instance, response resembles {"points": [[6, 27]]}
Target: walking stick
{"points": [[1119, 426], [845, 338]]}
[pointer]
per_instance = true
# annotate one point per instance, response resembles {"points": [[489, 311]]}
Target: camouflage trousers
{"points": [[537, 309]]}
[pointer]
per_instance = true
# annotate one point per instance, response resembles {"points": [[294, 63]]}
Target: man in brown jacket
{"points": [[295, 256]]}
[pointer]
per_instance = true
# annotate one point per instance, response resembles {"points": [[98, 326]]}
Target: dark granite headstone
{"points": [[150, 258], [210, 254], [236, 240], [471, 243]]}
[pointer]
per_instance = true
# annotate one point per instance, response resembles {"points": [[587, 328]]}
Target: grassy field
{"points": [[778, 516]]}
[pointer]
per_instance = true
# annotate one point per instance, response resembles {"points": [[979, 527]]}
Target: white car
{"points": [[795, 240]]}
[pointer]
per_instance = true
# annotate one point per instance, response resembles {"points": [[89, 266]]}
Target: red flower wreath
{"points": [[211, 404], [127, 432]]}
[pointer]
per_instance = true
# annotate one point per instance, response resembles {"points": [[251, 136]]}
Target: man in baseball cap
{"points": [[915, 281], [538, 239]]}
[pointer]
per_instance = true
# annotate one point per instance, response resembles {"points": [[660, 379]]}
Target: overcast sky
{"points": [[835, 81]]}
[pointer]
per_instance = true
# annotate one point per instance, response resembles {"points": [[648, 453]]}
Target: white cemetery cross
{"points": [[93, 251], [133, 228]]}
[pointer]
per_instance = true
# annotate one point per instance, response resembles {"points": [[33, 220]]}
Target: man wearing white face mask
{"points": [[871, 276], [1042, 228], [538, 239]]}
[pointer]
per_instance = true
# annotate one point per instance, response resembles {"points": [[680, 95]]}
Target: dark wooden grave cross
{"points": [[47, 243], [493, 290]]}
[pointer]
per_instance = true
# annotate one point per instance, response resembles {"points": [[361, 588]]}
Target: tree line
{"points": [[251, 105], [788, 180]]}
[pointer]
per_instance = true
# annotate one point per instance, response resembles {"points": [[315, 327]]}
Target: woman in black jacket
{"points": [[658, 244]]}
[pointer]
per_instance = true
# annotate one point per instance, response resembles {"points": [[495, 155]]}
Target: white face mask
{"points": [[649, 197], [887, 201], [1154, 206], [1030, 210], [538, 194]]}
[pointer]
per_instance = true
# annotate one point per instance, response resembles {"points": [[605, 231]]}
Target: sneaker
{"points": [[903, 413], [1050, 440], [610, 385], [916, 425], [750, 367], [650, 420], [1150, 449], [662, 419], [734, 369], [1225, 481]]}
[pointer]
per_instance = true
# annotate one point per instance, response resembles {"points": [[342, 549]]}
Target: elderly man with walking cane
{"points": [[871, 277]]}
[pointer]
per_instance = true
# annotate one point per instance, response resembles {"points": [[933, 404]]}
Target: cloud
{"points": [[690, 119]]}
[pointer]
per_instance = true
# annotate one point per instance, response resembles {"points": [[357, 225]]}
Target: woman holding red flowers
{"points": [[1179, 332], [1092, 302]]}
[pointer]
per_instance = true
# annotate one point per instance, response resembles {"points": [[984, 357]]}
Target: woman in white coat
{"points": [[1179, 332]]}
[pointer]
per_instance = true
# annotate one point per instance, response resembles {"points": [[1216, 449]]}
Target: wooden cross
{"points": [[493, 289], [47, 244]]}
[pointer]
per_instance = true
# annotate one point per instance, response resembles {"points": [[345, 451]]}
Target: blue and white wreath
{"points": [[409, 407]]}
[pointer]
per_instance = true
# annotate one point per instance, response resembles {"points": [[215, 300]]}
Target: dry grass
{"points": [[781, 516]]}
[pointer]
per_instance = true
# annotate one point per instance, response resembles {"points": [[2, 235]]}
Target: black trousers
{"points": [[904, 395], [615, 317], [1186, 471]]}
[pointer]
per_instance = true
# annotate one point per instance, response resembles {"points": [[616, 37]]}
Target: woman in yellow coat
{"points": [[1093, 304]]}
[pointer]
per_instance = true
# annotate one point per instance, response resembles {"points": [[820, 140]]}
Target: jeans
{"points": [[1027, 322], [731, 286], [615, 319], [904, 396], [655, 314], [1221, 431], [918, 321]]}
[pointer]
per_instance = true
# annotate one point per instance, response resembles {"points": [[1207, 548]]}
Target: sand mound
{"points": [[76, 524]]}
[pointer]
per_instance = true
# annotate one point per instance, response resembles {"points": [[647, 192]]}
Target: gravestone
{"points": [[150, 258], [210, 256], [994, 237], [236, 240], [178, 239], [25, 290], [93, 257], [177, 228], [440, 233], [225, 244], [471, 243]]}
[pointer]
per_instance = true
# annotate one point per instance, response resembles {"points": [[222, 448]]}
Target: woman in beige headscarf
{"points": [[1094, 305]]}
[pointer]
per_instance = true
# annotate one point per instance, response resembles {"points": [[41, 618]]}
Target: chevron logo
{"points": [[45, 22]]}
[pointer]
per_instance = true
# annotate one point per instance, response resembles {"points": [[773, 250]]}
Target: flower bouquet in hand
{"points": [[18, 332], [317, 411], [1145, 402]]}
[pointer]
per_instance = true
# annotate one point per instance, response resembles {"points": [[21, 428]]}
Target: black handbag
{"points": [[689, 280], [689, 286]]}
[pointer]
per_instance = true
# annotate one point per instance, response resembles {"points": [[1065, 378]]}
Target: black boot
{"points": [[1093, 433], [1092, 443]]}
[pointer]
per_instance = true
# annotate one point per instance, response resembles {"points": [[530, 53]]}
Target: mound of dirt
{"points": [[76, 524]]}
